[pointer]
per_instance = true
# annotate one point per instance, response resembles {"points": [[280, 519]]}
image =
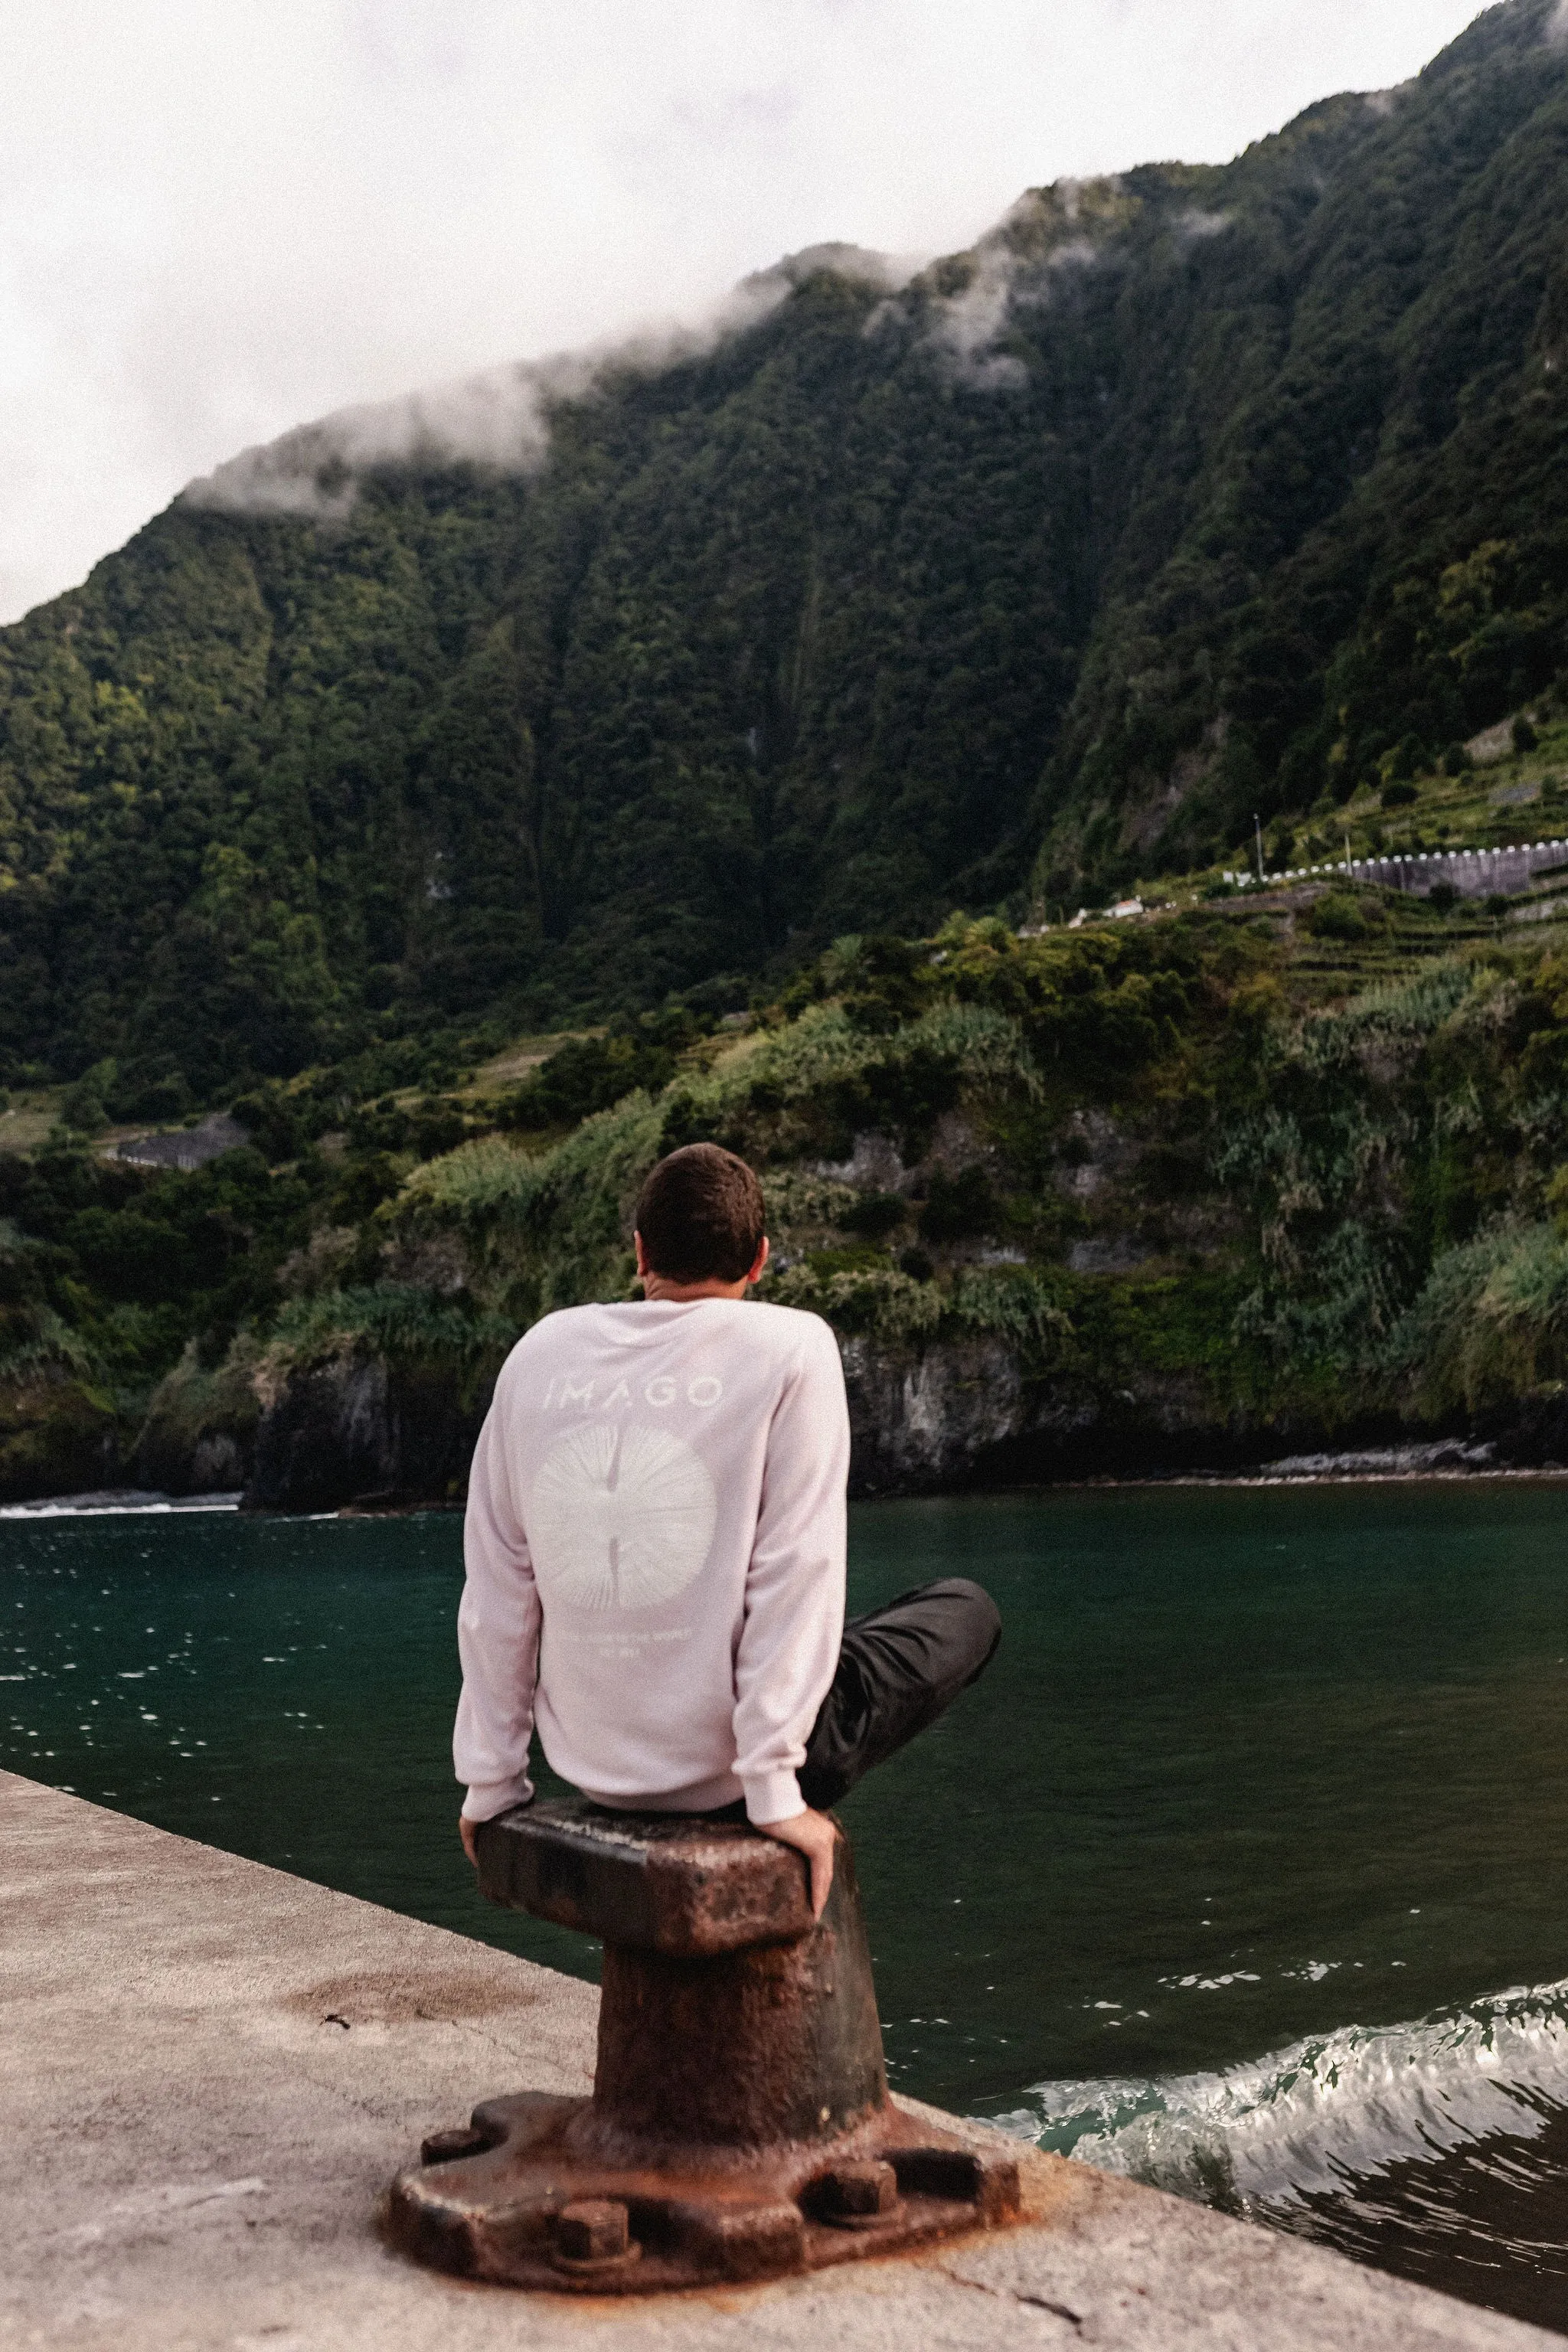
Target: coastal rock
{"points": [[965, 1412], [360, 1430], [1443, 1457], [953, 1414], [200, 1430], [921, 1422]]}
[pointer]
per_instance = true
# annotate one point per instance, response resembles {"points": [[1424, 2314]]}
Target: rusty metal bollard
{"points": [[739, 2127]]}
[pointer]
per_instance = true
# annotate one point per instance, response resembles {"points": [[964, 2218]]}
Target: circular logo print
{"points": [[619, 1518]]}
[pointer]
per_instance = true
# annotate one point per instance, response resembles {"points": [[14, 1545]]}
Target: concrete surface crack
{"points": [[1015, 2294], [481, 2033]]}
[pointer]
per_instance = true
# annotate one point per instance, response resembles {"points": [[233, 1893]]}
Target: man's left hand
{"points": [[814, 1835]]}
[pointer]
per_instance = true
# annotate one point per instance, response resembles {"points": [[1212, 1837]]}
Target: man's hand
{"points": [[814, 1835], [466, 1828]]}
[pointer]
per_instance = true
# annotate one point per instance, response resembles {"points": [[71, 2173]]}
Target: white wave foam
{"points": [[1330, 2108], [114, 1505]]}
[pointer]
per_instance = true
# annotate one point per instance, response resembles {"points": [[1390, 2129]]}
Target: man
{"points": [[654, 1551]]}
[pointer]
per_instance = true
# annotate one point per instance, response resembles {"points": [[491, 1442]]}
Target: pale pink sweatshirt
{"points": [[655, 1554]]}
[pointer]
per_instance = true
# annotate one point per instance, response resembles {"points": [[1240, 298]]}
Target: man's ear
{"points": [[759, 1262], [642, 1254]]}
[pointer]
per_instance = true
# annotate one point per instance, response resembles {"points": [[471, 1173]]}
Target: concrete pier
{"points": [[209, 2070]]}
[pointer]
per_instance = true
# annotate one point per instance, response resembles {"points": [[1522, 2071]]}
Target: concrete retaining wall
{"points": [[1473, 873]]}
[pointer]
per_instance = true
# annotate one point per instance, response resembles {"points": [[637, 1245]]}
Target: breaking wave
{"points": [[1326, 2113], [116, 1502]]}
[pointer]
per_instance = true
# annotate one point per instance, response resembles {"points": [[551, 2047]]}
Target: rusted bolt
{"points": [[446, 2147], [593, 2229], [856, 2195]]}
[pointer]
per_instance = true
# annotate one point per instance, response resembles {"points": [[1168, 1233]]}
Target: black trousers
{"points": [[900, 1668]]}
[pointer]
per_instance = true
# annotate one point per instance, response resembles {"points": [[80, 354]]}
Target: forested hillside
{"points": [[1186, 495], [720, 756], [1189, 1191]]}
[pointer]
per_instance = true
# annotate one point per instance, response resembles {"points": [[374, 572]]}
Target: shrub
{"points": [[1339, 916], [199, 1413], [272, 1123], [881, 1303], [904, 1306], [1406, 1010], [397, 1320], [83, 1106], [959, 1206], [797, 1197], [545, 1231], [591, 1073], [874, 1214], [824, 1078], [1490, 1323], [1326, 1164], [1407, 759], [1016, 1305]]}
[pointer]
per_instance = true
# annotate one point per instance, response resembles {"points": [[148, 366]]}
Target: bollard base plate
{"points": [[490, 2204]]}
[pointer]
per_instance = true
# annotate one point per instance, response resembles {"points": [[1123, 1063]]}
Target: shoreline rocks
{"points": [[955, 1416], [365, 1433]]}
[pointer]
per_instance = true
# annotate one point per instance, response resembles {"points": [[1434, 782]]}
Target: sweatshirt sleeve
{"points": [[498, 1636], [794, 1622]]}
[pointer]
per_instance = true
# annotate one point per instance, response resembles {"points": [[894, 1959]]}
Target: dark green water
{"points": [[1213, 1876]]}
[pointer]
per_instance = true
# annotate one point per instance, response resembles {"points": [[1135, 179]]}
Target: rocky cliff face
{"points": [[952, 1415], [360, 1432], [349, 1432], [942, 1417], [961, 1414]]}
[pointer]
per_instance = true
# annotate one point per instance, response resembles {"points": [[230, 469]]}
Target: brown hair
{"points": [[700, 1213]]}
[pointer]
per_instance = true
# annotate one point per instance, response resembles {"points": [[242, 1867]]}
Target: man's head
{"points": [[699, 1222]]}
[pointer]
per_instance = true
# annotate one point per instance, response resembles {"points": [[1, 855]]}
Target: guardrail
{"points": [[1472, 873]]}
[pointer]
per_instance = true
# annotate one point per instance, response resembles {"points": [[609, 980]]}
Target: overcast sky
{"points": [[219, 219]]}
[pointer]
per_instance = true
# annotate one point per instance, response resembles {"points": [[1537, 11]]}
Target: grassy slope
{"points": [[1232, 1171]]}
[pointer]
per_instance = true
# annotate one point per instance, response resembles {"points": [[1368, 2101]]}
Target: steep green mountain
{"points": [[1194, 493]]}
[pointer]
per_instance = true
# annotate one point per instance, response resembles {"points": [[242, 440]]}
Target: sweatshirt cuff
{"points": [[486, 1799], [772, 1797]]}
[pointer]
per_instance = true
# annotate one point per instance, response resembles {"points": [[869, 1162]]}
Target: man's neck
{"points": [[678, 1294], [671, 1293]]}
